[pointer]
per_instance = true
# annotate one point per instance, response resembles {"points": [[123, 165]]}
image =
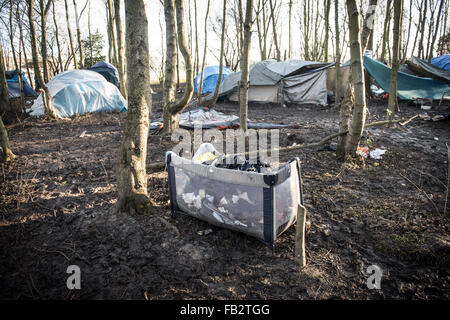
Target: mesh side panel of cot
{"points": [[234, 206]]}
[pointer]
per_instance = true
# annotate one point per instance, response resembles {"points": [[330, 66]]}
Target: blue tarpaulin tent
{"points": [[108, 71], [210, 77], [13, 85], [79, 92], [409, 86], [442, 62]]}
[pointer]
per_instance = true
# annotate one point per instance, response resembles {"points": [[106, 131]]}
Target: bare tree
{"points": [[131, 164], [5, 149], [200, 89], [121, 50], [359, 108], [392, 103], [245, 70], [69, 31], [172, 107], [47, 99]]}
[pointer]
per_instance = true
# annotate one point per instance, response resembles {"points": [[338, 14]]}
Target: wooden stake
{"points": [[300, 256]]}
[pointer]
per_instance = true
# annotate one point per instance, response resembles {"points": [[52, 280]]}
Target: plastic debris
{"points": [[363, 152], [377, 153], [204, 232], [205, 152]]}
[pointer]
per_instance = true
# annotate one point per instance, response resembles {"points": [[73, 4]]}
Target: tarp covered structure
{"points": [[424, 69], [108, 71], [294, 81], [409, 86], [80, 92], [442, 62], [209, 119], [210, 77], [12, 80]]}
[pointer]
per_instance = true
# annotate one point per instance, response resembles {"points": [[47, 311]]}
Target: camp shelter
{"points": [[442, 62], [409, 86], [424, 69], [108, 71], [210, 77], [12, 80], [271, 81], [79, 92]]}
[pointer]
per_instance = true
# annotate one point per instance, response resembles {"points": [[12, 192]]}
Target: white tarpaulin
{"points": [[79, 92]]}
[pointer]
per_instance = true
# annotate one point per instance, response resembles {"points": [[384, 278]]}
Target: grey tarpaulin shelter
{"points": [[262, 205], [292, 81]]}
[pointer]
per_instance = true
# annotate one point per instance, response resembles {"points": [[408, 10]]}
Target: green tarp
{"points": [[409, 86], [425, 69]]}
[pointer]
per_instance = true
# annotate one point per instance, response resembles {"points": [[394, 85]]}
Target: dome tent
{"points": [[12, 80], [210, 77], [108, 71], [80, 92]]}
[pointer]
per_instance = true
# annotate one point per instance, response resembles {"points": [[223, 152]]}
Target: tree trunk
{"points": [[290, 30], [44, 11], [436, 26], [47, 99], [16, 63], [122, 65], [327, 27], [80, 44], [57, 38], [245, 57], [69, 31], [5, 107], [131, 169], [200, 89], [112, 28], [169, 79], [5, 150], [337, 91], [385, 31], [422, 30], [392, 102], [172, 109], [274, 30], [222, 44], [359, 109]]}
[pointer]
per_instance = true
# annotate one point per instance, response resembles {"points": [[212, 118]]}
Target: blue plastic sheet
{"points": [[442, 62], [210, 77]]}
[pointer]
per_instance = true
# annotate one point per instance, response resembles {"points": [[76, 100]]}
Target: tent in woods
{"points": [[409, 86], [108, 71], [422, 68], [442, 62], [292, 81], [210, 77], [79, 92], [13, 85]]}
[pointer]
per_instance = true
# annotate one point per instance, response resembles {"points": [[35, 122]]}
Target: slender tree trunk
{"points": [[44, 10], [392, 102], [274, 30], [359, 109], [327, 28], [122, 65], [245, 57], [386, 31], [47, 99], [5, 107], [290, 30], [200, 89], [69, 31], [16, 64], [80, 44], [172, 109], [131, 166], [57, 38], [196, 58], [170, 64], [222, 45], [337, 91], [5, 149], [436, 26], [422, 30]]}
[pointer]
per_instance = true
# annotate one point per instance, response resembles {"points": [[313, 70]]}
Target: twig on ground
{"points": [[423, 191]]}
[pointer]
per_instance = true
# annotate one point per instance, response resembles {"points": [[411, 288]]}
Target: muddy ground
{"points": [[57, 208]]}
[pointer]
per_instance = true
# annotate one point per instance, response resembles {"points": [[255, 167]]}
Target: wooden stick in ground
{"points": [[162, 164], [300, 256]]}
